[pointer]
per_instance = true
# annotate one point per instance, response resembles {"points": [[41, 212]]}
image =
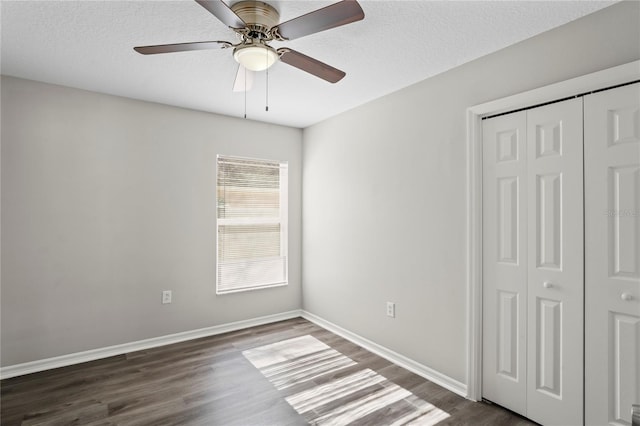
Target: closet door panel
{"points": [[504, 261], [612, 254], [555, 263]]}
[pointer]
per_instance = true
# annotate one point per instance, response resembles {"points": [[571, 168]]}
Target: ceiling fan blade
{"points": [[220, 10], [335, 15], [310, 65], [244, 80], [181, 47]]}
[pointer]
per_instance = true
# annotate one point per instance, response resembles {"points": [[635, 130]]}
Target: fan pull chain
{"points": [[245, 92], [266, 106]]}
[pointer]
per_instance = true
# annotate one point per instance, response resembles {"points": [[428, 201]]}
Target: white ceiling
{"points": [[88, 45]]}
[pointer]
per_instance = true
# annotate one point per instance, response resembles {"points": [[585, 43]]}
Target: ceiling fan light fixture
{"points": [[255, 57]]}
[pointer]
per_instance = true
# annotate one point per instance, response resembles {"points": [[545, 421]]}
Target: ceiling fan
{"points": [[257, 23]]}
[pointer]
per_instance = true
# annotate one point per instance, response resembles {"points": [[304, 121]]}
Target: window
{"points": [[251, 224]]}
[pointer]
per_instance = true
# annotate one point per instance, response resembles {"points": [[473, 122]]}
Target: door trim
{"points": [[599, 80]]}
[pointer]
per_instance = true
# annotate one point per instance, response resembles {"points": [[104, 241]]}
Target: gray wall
{"points": [[384, 190], [108, 201]]}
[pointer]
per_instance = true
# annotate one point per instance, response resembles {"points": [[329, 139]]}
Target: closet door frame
{"points": [[577, 86]]}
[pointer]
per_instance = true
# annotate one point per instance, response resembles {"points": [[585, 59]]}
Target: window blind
{"points": [[251, 224]]}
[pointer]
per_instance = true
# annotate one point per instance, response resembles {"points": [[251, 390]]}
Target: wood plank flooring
{"points": [[206, 381]]}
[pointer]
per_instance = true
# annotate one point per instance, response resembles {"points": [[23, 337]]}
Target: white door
{"points": [[505, 261], [555, 295], [533, 282], [612, 215]]}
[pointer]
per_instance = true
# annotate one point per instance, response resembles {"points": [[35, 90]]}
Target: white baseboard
{"points": [[401, 360], [94, 354]]}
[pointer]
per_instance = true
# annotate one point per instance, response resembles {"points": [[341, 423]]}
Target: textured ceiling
{"points": [[88, 45]]}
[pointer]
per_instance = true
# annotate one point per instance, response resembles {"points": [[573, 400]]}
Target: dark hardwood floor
{"points": [[204, 382]]}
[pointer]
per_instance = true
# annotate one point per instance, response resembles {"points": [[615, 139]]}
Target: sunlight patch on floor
{"points": [[363, 396]]}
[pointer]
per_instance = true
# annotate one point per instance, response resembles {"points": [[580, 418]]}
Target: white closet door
{"points": [[505, 261], [555, 294], [612, 214]]}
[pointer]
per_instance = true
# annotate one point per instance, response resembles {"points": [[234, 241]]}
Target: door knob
{"points": [[547, 284], [626, 296]]}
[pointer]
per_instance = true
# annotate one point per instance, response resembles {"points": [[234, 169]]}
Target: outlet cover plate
{"points": [[391, 309]]}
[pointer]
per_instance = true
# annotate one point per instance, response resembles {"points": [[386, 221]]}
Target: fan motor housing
{"points": [[258, 16]]}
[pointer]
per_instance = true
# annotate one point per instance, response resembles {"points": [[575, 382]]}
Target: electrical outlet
{"points": [[391, 309], [166, 297]]}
